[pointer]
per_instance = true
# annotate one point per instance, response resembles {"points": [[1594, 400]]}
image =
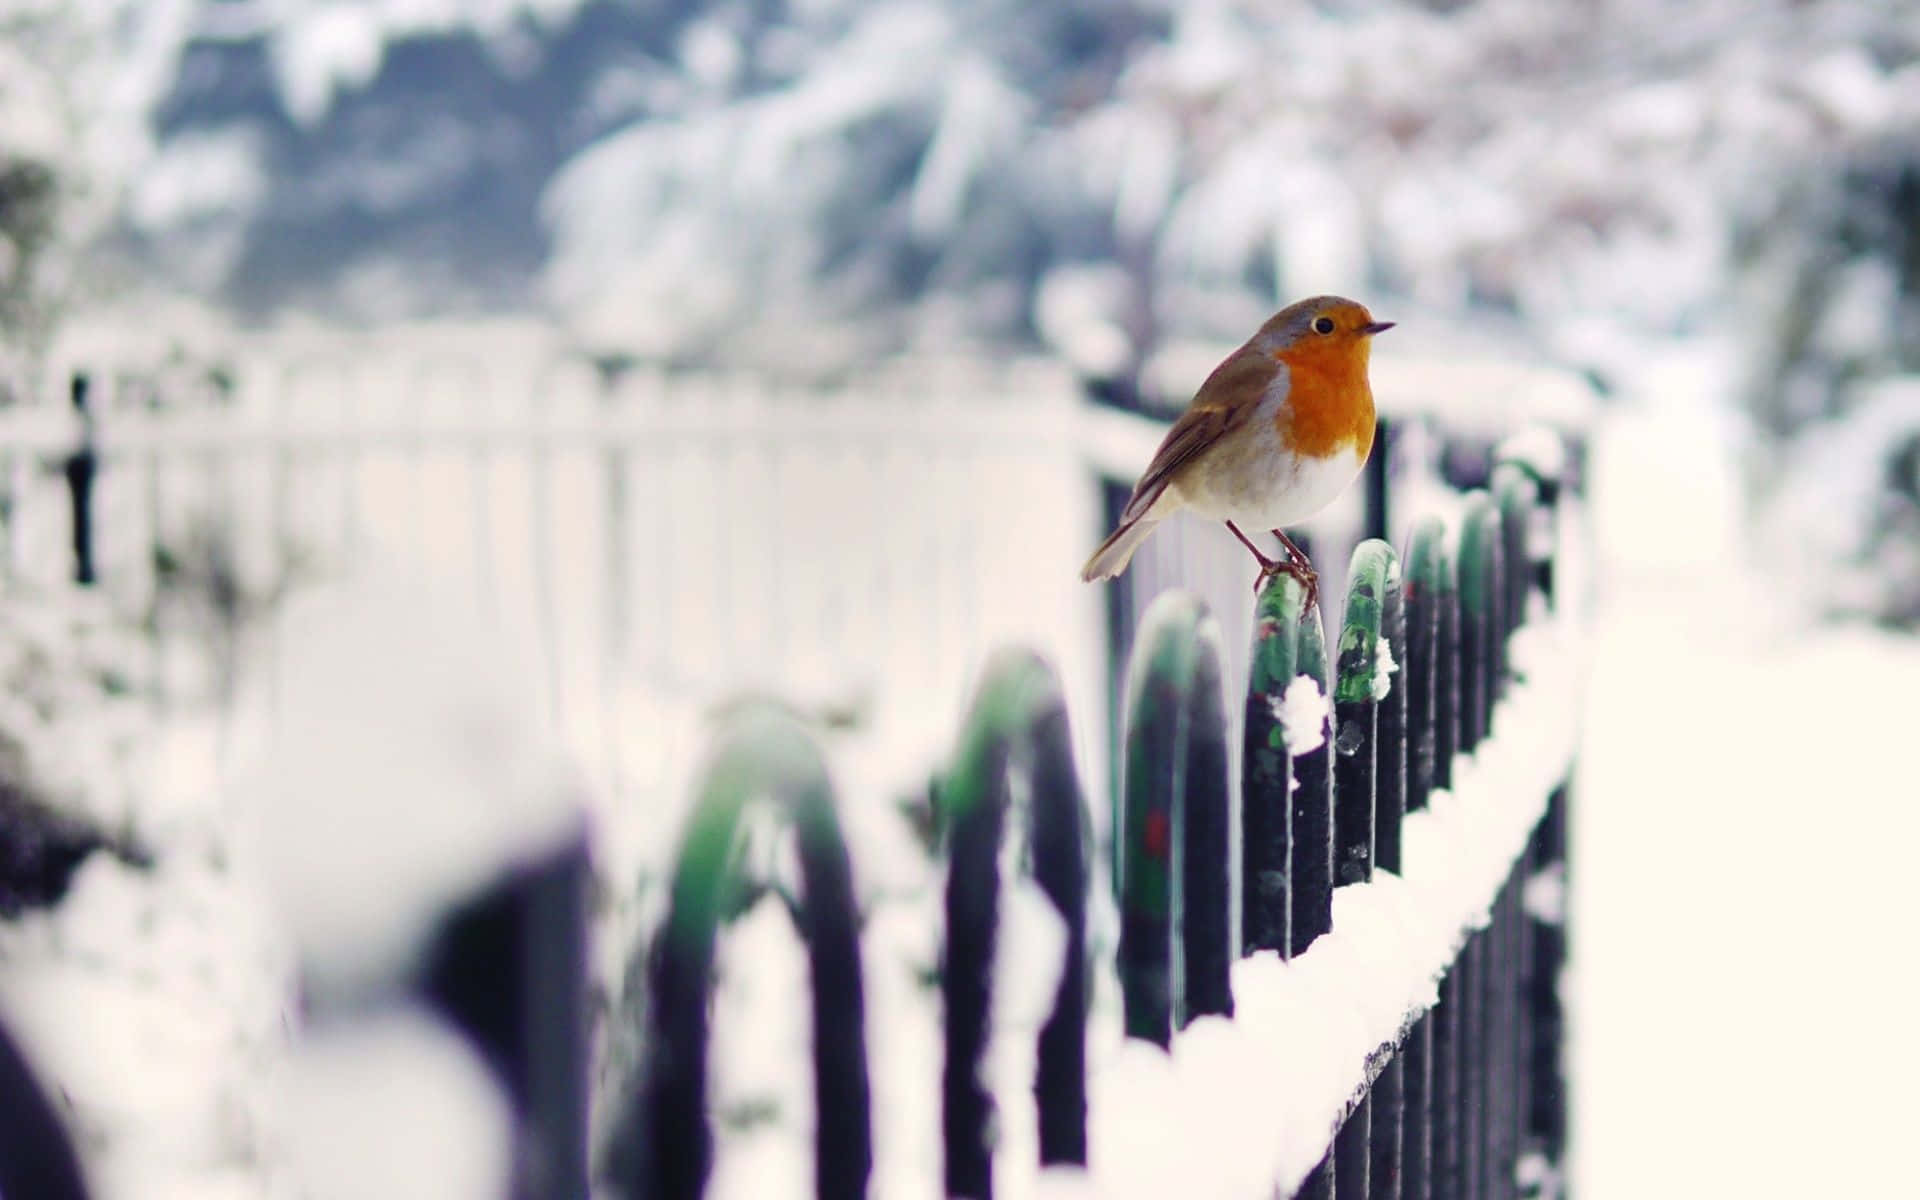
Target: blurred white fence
{"points": [[662, 541], [665, 541]]}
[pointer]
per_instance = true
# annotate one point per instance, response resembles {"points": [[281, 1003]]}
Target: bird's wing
{"points": [[1223, 404]]}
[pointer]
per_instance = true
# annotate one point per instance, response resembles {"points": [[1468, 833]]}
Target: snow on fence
{"points": [[1377, 1015]]}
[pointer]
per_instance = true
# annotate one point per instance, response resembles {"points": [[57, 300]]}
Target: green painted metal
{"points": [[1482, 613], [1266, 772], [664, 1147], [1372, 572], [1479, 537], [1018, 723], [1172, 828], [1287, 798], [1017, 690], [1372, 579], [1518, 498], [1432, 707]]}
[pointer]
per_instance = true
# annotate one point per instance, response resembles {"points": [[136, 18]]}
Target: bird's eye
{"points": [[1323, 324]]}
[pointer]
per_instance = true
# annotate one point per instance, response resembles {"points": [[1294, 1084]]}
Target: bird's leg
{"points": [[1268, 567], [1299, 567]]}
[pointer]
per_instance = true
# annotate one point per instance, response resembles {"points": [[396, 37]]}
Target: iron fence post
{"points": [[82, 466], [661, 1145], [1019, 720], [1172, 833], [37, 1156], [509, 968]]}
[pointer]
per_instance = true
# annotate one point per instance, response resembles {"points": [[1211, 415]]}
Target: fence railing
{"points": [[1342, 751], [1459, 1094]]}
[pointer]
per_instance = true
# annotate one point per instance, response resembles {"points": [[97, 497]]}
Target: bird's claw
{"points": [[1302, 573]]}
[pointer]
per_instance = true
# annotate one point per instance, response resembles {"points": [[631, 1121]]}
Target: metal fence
{"points": [[1467, 1100]]}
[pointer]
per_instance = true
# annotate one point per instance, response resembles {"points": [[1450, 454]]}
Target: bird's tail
{"points": [[1114, 553]]}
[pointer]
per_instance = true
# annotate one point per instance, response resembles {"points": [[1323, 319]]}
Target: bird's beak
{"points": [[1373, 327]]}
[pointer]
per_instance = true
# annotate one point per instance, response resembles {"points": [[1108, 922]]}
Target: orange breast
{"points": [[1329, 404]]}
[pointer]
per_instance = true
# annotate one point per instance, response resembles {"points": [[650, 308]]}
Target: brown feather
{"points": [[1223, 404]]}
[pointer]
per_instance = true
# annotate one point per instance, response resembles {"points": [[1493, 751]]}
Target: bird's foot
{"points": [[1296, 565], [1302, 573]]}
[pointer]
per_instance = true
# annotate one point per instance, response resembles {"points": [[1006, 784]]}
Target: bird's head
{"points": [[1321, 331]]}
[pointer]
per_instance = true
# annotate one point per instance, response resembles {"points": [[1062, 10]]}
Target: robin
{"points": [[1279, 429]]}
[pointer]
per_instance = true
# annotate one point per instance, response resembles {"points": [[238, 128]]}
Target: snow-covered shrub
{"points": [[73, 734], [1830, 264]]}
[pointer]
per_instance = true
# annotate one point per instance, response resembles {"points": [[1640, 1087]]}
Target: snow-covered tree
{"points": [[76, 80]]}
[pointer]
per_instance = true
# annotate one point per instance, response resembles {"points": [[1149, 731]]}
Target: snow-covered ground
{"points": [[1746, 798]]}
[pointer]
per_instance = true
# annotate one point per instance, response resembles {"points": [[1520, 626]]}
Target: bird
{"points": [[1279, 429]]}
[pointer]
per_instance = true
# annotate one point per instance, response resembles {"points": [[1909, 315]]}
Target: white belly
{"points": [[1243, 481]]}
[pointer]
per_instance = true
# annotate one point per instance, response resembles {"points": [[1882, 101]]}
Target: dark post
{"points": [[1266, 774], [661, 1145], [1430, 1084], [36, 1154], [509, 969], [1515, 493], [1379, 468], [1448, 1172], [1546, 1090], [1480, 641], [1173, 827], [1057, 823], [1205, 844], [1387, 1154], [1416, 1143], [1428, 594], [1449, 691], [1018, 720], [1370, 578], [1543, 937], [1312, 764], [1390, 723], [1353, 1152], [1387, 1171], [81, 467], [1545, 473], [1320, 1182], [1356, 710]]}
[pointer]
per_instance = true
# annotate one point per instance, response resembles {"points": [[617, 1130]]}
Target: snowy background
{"points": [[677, 345]]}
